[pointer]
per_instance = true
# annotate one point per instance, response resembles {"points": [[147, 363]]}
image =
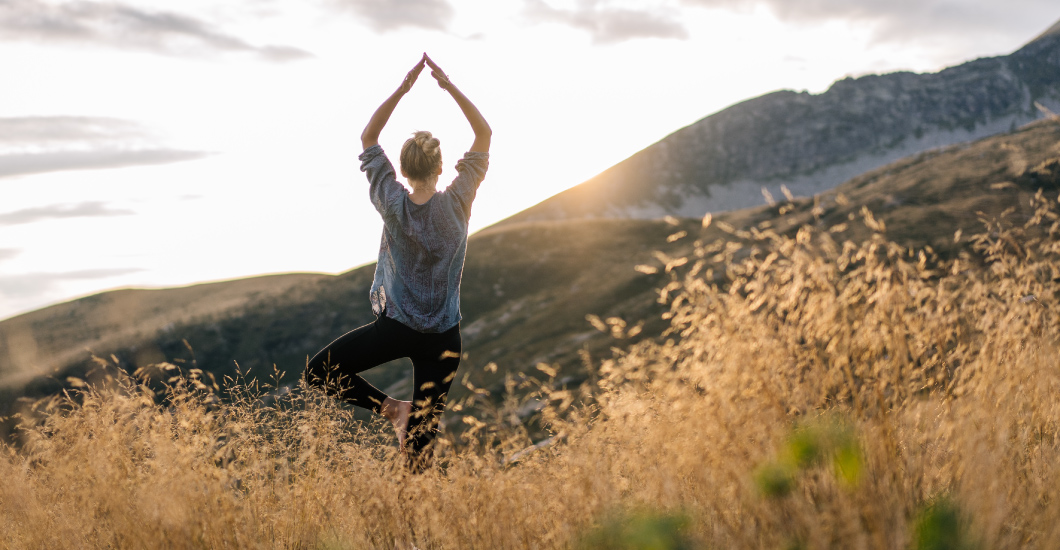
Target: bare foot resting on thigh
{"points": [[398, 413]]}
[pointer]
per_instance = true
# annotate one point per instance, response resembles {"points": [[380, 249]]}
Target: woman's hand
{"points": [[412, 75], [370, 135], [437, 73], [482, 130]]}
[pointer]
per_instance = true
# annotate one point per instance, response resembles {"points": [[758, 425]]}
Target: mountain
{"points": [[1051, 31], [527, 286], [811, 143]]}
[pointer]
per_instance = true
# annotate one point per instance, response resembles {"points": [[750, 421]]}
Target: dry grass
{"points": [[812, 393]]}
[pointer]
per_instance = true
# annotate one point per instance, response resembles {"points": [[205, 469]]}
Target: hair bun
{"points": [[428, 143], [421, 156]]}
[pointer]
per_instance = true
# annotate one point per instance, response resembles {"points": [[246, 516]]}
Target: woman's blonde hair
{"points": [[421, 156]]}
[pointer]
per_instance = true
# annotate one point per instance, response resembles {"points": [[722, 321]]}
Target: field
{"points": [[813, 391]]}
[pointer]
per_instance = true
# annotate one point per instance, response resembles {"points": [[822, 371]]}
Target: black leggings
{"points": [[435, 358]]}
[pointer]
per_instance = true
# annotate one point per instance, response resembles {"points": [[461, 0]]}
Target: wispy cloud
{"points": [[608, 24], [388, 15], [124, 26], [30, 145], [8, 253], [29, 284], [40, 131], [17, 165], [92, 209], [896, 20]]}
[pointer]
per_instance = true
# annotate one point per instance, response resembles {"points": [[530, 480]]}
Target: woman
{"points": [[416, 292]]}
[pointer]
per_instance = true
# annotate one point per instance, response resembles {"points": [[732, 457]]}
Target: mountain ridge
{"points": [[1051, 31], [809, 143]]}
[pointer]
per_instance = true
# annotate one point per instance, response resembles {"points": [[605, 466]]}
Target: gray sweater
{"points": [[421, 255]]}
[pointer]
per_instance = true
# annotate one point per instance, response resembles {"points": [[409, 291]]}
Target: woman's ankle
{"points": [[389, 408]]}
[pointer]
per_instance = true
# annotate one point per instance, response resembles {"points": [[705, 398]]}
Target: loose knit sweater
{"points": [[421, 254]]}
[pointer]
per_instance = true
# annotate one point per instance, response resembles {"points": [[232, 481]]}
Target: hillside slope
{"points": [[51, 338], [811, 143], [528, 287]]}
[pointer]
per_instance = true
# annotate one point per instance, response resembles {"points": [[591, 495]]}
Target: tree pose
{"points": [[416, 292]]}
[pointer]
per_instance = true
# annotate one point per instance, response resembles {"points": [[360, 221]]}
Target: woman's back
{"points": [[421, 256]]}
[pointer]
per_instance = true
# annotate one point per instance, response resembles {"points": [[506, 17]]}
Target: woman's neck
{"points": [[420, 195]]}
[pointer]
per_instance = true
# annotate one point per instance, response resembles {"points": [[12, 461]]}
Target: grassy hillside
{"points": [[923, 200], [43, 341], [823, 393], [527, 288], [526, 292]]}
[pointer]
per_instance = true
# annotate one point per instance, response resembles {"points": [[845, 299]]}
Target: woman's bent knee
{"points": [[319, 375]]}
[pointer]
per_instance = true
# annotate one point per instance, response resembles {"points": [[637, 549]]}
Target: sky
{"points": [[152, 144]]}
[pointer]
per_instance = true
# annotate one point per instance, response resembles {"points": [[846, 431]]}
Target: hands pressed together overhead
{"points": [[436, 71], [483, 133]]}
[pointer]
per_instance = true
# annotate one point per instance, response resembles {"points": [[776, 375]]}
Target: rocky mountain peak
{"points": [[1045, 48], [1050, 34], [809, 143]]}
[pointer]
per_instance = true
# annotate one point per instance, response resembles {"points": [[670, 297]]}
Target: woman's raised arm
{"points": [[370, 135], [482, 130]]}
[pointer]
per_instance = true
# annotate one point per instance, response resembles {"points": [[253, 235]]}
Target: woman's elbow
{"points": [[482, 142]]}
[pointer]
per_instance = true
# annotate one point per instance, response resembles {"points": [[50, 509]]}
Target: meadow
{"points": [[812, 391]]}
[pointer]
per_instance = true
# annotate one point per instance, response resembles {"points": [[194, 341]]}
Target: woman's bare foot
{"points": [[398, 413]]}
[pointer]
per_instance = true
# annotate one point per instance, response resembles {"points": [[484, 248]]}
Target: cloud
{"points": [[127, 27], [92, 209], [19, 165], [24, 285], [609, 24], [899, 20], [31, 145], [8, 253], [42, 130], [388, 15]]}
